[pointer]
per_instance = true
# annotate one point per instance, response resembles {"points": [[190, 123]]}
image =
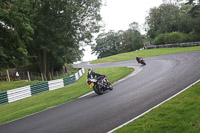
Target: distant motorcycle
{"points": [[100, 86], [140, 60]]}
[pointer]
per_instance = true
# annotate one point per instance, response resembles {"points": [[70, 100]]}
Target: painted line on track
{"points": [[153, 107]]}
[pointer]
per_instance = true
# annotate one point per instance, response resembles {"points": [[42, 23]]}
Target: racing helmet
{"points": [[89, 70]]}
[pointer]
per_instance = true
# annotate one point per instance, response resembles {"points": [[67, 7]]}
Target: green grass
{"points": [[145, 53], [4, 86], [27, 106], [179, 115]]}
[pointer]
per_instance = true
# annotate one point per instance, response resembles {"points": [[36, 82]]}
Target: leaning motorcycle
{"points": [[100, 86], [141, 61]]}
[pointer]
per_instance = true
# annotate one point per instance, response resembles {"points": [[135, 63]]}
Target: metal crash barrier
{"points": [[30, 90]]}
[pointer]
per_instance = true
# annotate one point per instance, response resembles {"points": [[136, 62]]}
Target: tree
{"points": [[179, 2], [59, 28], [163, 19], [15, 32], [47, 33], [170, 18], [112, 43], [107, 44], [133, 40]]}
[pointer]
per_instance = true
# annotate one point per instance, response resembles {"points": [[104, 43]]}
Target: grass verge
{"points": [[181, 114], [43, 101], [4, 86], [145, 53]]}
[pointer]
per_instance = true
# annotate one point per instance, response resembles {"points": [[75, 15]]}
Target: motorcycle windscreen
{"points": [[91, 85]]}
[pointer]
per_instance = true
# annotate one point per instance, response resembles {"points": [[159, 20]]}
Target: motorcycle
{"points": [[100, 86], [141, 61]]}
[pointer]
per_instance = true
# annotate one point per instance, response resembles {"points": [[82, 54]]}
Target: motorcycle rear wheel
{"points": [[97, 89], [143, 63]]}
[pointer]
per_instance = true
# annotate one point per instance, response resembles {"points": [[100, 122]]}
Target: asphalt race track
{"points": [[162, 77]]}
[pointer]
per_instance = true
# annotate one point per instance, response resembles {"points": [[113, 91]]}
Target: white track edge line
{"points": [[153, 107], [86, 94]]}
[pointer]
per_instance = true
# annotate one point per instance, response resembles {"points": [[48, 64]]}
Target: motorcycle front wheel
{"points": [[111, 87], [98, 89], [143, 63]]}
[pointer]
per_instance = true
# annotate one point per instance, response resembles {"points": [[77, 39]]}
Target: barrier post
{"points": [[57, 73], [8, 75], [42, 77], [29, 79], [50, 76]]}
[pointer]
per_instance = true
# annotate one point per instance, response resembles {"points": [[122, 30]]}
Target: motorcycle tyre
{"points": [[143, 63], [98, 91], [111, 87]]}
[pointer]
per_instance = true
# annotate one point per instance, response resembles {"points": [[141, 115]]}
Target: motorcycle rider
{"points": [[99, 77], [138, 59], [92, 74]]}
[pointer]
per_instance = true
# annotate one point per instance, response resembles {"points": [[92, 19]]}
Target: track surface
{"points": [[163, 77]]}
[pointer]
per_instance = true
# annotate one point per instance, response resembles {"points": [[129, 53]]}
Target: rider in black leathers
{"points": [[98, 77], [138, 59], [92, 74]]}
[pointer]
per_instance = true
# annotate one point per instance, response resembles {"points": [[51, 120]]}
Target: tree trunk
{"points": [[43, 64]]}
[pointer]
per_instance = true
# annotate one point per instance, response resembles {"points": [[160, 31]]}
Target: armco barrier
{"points": [[69, 80], [38, 88], [19, 93], [30, 90], [3, 98], [76, 76], [83, 70], [55, 84], [189, 44]]}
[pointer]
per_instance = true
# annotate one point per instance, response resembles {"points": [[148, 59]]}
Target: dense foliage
{"points": [[15, 33], [170, 38], [47, 33], [174, 23]]}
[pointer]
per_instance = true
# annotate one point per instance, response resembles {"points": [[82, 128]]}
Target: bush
{"points": [[194, 36], [170, 38], [159, 39]]}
